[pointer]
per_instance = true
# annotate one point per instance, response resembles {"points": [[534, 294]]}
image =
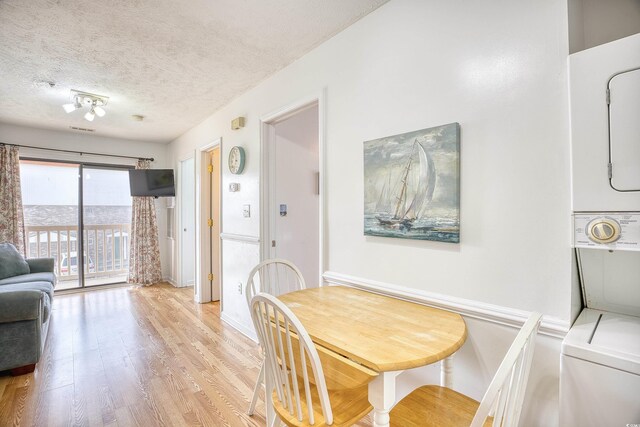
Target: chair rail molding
{"points": [[240, 238], [550, 326]]}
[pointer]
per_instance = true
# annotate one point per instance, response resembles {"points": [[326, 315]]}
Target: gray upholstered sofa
{"points": [[26, 294]]}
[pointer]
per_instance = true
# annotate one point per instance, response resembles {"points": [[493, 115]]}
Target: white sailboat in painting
{"points": [[400, 206]]}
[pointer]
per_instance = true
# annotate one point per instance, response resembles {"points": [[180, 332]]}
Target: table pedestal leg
{"points": [[446, 372], [382, 395]]}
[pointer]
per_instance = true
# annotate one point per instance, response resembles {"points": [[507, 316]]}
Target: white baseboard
{"points": [[550, 325], [239, 327]]}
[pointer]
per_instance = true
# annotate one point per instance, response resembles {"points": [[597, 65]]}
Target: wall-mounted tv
{"points": [[152, 183]]}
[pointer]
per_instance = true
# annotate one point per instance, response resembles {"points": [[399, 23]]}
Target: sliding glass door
{"points": [[50, 200], [106, 217], [61, 198]]}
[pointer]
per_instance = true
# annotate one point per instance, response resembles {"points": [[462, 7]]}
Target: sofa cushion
{"points": [[31, 277], [12, 263]]}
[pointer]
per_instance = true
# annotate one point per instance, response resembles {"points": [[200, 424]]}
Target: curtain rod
{"points": [[79, 152]]}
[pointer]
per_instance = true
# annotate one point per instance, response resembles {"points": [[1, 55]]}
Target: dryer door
{"points": [[624, 130], [611, 280]]}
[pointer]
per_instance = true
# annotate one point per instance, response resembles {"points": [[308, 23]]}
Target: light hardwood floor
{"points": [[136, 356]]}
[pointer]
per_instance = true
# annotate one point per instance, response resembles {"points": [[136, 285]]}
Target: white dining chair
{"points": [[300, 395], [502, 402], [274, 277]]}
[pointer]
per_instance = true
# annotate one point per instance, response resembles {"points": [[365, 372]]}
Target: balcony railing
{"points": [[106, 249]]}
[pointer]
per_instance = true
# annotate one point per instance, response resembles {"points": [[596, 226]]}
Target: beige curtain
{"points": [[11, 214], [144, 260]]}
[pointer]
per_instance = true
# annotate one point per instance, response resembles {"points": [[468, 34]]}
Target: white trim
{"points": [[266, 134], [292, 109], [201, 293], [171, 282], [240, 238], [512, 317], [239, 327]]}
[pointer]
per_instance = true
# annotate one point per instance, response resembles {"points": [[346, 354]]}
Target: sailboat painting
{"points": [[412, 185]]}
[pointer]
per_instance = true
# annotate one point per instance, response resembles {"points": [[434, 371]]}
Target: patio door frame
{"points": [[80, 233]]}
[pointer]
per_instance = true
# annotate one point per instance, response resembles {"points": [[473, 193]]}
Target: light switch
{"points": [[246, 211]]}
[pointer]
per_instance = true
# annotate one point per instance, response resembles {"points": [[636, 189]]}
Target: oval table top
{"points": [[377, 331]]}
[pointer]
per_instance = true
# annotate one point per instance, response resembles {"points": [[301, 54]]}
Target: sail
{"points": [[383, 201], [401, 199], [426, 184]]}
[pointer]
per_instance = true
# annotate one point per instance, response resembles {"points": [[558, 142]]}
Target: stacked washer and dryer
{"points": [[600, 361]]}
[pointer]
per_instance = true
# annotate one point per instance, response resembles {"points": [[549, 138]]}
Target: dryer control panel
{"points": [[604, 230]]}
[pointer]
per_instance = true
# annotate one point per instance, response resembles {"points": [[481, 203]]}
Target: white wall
{"points": [[12, 134], [496, 67]]}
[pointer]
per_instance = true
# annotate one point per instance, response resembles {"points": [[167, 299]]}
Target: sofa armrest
{"points": [[20, 305], [41, 265]]}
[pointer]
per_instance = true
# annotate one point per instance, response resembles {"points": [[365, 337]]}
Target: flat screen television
{"points": [[152, 183]]}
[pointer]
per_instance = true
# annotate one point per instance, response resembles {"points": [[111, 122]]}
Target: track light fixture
{"points": [[90, 100]]}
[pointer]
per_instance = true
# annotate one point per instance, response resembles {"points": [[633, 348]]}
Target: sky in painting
{"points": [[385, 160]]}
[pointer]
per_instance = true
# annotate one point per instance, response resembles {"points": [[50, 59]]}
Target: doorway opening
{"points": [[78, 208], [293, 188]]}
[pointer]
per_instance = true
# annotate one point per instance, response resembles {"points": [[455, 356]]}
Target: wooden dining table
{"points": [[386, 335]]}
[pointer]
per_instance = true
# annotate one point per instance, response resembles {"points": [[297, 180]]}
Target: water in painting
{"points": [[412, 185]]}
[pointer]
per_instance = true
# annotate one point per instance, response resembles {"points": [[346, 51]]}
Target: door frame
{"points": [[178, 219], [267, 202], [203, 291]]}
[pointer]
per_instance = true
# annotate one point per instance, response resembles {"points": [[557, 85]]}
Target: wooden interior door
{"points": [[215, 229]]}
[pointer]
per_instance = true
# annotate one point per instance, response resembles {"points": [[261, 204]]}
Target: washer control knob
{"points": [[603, 230]]}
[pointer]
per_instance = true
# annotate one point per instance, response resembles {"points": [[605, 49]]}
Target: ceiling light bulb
{"points": [[99, 111], [69, 107], [90, 115]]}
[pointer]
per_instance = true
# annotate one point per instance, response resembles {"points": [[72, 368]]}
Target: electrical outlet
{"points": [[246, 211], [240, 288]]}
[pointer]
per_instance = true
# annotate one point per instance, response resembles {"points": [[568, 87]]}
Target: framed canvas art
{"points": [[412, 185]]}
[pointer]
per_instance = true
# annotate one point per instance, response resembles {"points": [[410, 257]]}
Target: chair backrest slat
{"points": [[294, 374], [505, 395], [276, 324], [275, 277]]}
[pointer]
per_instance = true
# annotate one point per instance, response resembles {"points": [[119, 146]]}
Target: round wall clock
{"points": [[236, 160]]}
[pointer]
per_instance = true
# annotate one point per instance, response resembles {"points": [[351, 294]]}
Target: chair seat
{"points": [[348, 406], [435, 406]]}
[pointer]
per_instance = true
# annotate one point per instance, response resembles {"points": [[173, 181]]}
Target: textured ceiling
{"points": [[175, 62]]}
